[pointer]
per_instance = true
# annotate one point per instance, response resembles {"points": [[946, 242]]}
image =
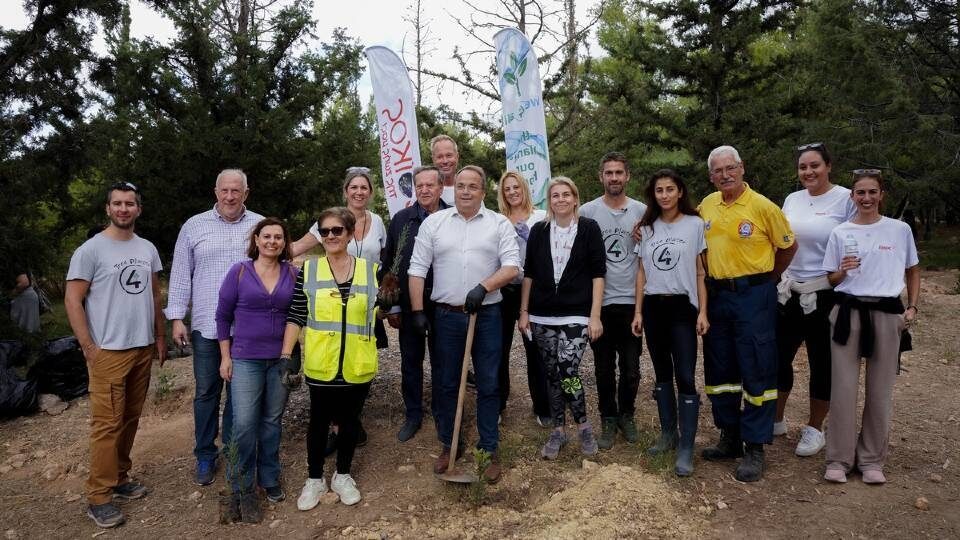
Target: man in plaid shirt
{"points": [[208, 245]]}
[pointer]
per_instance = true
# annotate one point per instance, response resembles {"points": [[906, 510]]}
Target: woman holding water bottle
{"points": [[867, 322], [805, 296]]}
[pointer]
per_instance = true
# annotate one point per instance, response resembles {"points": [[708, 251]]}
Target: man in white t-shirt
{"points": [[617, 216], [113, 303]]}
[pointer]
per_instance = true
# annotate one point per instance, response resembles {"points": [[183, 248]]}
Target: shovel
{"points": [[451, 474]]}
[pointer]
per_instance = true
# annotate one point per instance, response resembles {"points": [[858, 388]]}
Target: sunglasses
{"points": [[866, 172], [358, 170], [325, 231], [811, 146], [124, 186]]}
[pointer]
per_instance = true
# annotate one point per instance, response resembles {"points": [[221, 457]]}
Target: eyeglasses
{"points": [[811, 146], [358, 170], [867, 172], [729, 169], [124, 186], [325, 231]]}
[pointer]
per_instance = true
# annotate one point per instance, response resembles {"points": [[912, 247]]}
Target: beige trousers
{"points": [[868, 450]]}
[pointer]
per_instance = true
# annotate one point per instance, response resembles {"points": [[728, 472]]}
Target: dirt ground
{"points": [[622, 494]]}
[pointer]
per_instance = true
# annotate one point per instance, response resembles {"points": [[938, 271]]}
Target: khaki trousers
{"points": [[844, 447], [118, 388]]}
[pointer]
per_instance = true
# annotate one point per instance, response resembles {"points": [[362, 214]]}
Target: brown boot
{"points": [[443, 460], [493, 472]]}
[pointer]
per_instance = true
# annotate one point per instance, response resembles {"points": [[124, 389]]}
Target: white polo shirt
{"points": [[463, 252]]}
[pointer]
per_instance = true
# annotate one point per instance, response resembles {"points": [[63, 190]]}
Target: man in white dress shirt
{"points": [[473, 252]]}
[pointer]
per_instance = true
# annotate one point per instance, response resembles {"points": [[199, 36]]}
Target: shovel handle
{"points": [[463, 390]]}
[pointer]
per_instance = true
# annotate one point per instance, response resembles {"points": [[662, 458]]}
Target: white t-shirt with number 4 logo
{"points": [[669, 256]]}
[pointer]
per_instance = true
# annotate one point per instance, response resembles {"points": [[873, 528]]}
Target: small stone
{"points": [[347, 531], [589, 465], [39, 454], [329, 498], [4, 469], [195, 496], [274, 524], [406, 469], [11, 534], [412, 507], [721, 505], [52, 404], [81, 469], [936, 478], [72, 497], [52, 472], [16, 464], [922, 503], [17, 457]]}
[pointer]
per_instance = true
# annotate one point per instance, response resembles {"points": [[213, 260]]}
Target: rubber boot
{"points": [[689, 415], [667, 407], [751, 468], [728, 447], [608, 433]]}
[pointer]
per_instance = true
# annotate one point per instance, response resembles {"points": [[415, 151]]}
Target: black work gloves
{"points": [[475, 299]]}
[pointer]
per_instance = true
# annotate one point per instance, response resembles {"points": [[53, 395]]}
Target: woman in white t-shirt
{"points": [[515, 202], [671, 308], [870, 259], [804, 294]]}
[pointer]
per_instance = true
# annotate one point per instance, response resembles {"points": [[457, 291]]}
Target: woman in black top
{"points": [[560, 305]]}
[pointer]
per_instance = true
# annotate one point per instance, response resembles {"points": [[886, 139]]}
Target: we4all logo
{"points": [[518, 66]]}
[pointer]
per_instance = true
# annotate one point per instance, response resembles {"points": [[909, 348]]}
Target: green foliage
{"points": [[164, 389], [478, 488]]}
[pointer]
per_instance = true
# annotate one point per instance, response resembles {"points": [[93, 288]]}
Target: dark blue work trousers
{"points": [[740, 359]]}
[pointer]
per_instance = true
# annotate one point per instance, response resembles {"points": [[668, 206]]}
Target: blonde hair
{"points": [[502, 203], [563, 181], [440, 138]]}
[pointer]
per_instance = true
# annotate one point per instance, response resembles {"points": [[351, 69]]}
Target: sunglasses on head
{"points": [[325, 231], [358, 170], [811, 146], [867, 172], [124, 186]]}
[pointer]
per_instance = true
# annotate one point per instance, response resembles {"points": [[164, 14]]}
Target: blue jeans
{"points": [[450, 333], [413, 348], [258, 398], [206, 398]]}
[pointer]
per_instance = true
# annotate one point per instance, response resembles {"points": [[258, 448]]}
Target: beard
{"points": [[120, 225]]}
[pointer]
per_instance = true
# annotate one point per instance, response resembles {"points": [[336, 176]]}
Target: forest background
{"points": [[247, 83]]}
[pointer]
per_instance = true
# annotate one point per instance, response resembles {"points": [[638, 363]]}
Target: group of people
{"points": [[754, 280]]}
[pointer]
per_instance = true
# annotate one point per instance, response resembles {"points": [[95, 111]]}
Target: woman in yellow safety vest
{"points": [[333, 300]]}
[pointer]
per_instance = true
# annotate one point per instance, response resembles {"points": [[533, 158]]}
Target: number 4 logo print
{"points": [[132, 281]]}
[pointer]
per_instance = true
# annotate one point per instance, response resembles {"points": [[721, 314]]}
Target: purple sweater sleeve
{"points": [[229, 292]]}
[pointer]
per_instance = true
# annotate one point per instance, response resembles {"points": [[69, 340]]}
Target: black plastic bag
{"points": [[18, 397], [62, 369]]}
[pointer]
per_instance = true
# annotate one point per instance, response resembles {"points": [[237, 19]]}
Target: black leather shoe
{"points": [[728, 447], [751, 468], [409, 429]]}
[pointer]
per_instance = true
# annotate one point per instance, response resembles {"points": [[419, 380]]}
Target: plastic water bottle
{"points": [[851, 249]]}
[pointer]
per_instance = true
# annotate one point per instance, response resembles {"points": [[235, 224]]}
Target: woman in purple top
{"points": [[254, 299]]}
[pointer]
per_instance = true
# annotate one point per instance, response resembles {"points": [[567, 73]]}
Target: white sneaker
{"points": [[780, 428], [313, 489], [811, 441], [344, 486]]}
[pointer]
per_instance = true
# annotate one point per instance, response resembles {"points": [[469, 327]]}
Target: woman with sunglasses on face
{"points": [[871, 259], [804, 293], [254, 300], [514, 201], [672, 308], [367, 241], [560, 306], [333, 299]]}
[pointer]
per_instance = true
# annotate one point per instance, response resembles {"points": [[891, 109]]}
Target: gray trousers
{"points": [[844, 447]]}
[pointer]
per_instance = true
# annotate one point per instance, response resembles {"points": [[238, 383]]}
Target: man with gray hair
{"points": [[749, 244], [400, 239], [208, 245]]}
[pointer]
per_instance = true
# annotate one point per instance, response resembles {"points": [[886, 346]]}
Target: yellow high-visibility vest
{"points": [[326, 332]]}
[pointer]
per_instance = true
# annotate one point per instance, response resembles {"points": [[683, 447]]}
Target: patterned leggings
{"points": [[561, 349]]}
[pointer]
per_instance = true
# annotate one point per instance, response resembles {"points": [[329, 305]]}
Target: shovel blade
{"points": [[458, 477]]}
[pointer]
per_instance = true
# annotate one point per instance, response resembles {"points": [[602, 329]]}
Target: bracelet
{"points": [[523, 310], [915, 308], [286, 356]]}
